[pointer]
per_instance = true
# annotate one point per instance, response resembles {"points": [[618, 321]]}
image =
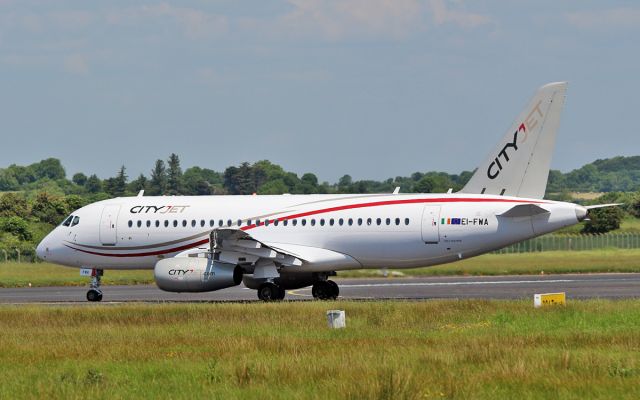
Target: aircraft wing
{"points": [[239, 241], [236, 246]]}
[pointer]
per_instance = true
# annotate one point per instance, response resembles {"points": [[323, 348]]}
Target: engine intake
{"points": [[195, 274]]}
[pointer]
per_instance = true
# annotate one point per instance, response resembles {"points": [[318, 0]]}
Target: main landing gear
{"points": [[94, 293], [269, 291], [325, 290]]}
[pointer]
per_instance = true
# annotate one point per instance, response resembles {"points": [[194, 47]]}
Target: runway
{"points": [[612, 286]]}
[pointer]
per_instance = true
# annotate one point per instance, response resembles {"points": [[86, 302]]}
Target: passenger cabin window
{"points": [[184, 223], [406, 221], [193, 223], [202, 223], [359, 221], [130, 223], [212, 223], [149, 223], [166, 223], [175, 223], [139, 224], [157, 223]]}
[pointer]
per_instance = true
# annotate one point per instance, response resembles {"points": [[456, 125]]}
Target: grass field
{"points": [[614, 260], [389, 350]]}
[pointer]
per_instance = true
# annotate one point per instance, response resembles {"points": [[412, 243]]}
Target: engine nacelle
{"points": [[195, 274]]}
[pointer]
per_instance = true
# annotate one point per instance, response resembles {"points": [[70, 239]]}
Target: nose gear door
{"points": [[108, 225]]}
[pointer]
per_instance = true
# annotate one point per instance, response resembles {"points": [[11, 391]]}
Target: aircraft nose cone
{"points": [[581, 213], [42, 251]]}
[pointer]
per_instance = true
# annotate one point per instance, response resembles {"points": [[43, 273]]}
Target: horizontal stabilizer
{"points": [[524, 210], [602, 206]]}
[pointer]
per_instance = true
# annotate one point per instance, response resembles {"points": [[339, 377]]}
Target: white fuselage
{"points": [[333, 232]]}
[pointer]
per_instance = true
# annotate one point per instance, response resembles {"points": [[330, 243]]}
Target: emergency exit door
{"points": [[430, 226], [108, 225]]}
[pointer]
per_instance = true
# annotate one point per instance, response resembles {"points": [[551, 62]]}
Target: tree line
{"points": [[37, 197]]}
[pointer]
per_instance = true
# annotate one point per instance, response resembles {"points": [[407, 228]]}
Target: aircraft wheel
{"points": [[94, 295], [325, 290], [335, 289], [269, 291]]}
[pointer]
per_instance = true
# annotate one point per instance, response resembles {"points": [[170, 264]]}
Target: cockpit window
{"points": [[67, 221], [75, 221]]}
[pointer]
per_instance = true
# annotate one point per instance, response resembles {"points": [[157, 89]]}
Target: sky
{"points": [[370, 88]]}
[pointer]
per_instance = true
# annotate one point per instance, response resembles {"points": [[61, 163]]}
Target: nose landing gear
{"points": [[94, 293]]}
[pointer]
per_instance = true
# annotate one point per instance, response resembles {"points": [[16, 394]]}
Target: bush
{"points": [[17, 227], [603, 220], [49, 209], [12, 204]]}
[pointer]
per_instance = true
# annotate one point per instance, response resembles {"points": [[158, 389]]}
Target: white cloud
{"points": [[196, 24], [76, 64], [464, 19], [624, 17], [336, 19]]}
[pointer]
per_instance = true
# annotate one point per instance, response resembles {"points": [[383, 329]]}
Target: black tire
{"points": [[323, 290], [335, 289], [269, 291], [94, 295], [282, 293]]}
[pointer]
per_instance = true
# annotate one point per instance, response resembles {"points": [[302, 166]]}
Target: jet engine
{"points": [[195, 274]]}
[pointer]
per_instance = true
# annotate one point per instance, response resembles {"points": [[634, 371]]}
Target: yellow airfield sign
{"points": [[549, 299]]}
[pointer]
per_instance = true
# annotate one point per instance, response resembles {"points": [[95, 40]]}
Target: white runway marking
{"points": [[457, 283]]}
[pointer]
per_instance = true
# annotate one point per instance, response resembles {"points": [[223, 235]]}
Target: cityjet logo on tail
{"points": [[519, 137]]}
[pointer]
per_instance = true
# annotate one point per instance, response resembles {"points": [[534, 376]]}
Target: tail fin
{"points": [[519, 165]]}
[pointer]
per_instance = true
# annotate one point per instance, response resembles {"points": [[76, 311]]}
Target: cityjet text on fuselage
{"points": [[158, 209]]}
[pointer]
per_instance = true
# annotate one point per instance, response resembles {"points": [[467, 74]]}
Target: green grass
{"points": [[13, 274], [628, 224], [552, 262], [389, 350]]}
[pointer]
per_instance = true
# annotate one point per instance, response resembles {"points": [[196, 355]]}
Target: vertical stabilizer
{"points": [[519, 165]]}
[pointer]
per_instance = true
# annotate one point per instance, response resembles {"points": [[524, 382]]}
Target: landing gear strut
{"points": [[325, 290], [269, 291], [94, 293]]}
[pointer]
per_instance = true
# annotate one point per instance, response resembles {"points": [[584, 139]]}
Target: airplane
{"points": [[279, 242]]}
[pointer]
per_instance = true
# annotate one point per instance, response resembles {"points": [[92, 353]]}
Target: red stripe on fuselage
{"points": [[388, 203], [316, 212], [150, 253]]}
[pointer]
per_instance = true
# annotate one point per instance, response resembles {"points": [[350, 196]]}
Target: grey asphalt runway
{"points": [[614, 286]]}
